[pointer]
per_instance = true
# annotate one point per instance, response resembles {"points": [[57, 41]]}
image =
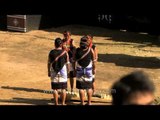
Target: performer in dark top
{"points": [[68, 45], [93, 46], [58, 66], [85, 68]]}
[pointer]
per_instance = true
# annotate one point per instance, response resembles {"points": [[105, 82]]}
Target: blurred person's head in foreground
{"points": [[133, 89]]}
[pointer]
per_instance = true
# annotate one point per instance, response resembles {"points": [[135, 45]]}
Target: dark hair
{"points": [[58, 42], [137, 81], [84, 43], [66, 32], [90, 36], [84, 39]]}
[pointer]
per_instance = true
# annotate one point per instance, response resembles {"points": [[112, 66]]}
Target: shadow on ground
{"points": [[24, 89], [31, 101], [27, 101], [130, 61], [114, 35]]}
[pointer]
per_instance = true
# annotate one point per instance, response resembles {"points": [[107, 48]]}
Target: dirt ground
{"points": [[23, 61]]}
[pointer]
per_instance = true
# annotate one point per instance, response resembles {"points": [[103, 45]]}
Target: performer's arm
{"points": [[48, 65], [64, 45], [93, 63], [74, 62], [68, 63], [96, 54]]}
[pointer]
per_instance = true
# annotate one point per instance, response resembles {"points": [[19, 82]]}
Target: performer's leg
{"points": [[93, 87], [81, 94], [63, 96], [89, 95], [55, 94], [71, 83]]}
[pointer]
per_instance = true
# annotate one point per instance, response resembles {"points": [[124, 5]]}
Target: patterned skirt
{"points": [[59, 80], [84, 77]]}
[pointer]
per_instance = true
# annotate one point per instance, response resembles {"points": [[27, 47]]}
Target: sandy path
{"points": [[23, 58]]}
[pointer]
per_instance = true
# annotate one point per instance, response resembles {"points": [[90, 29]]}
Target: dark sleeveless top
{"points": [[58, 65], [86, 60]]}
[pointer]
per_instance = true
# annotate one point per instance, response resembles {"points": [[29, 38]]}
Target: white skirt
{"points": [[61, 76]]}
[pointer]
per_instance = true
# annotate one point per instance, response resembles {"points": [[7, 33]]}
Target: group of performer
{"points": [[66, 61]]}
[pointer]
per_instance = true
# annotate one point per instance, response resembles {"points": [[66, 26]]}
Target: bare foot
{"points": [[71, 90], [64, 104], [82, 104], [88, 104]]}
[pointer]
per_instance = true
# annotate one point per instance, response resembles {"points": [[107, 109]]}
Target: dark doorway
{"points": [[3, 22]]}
